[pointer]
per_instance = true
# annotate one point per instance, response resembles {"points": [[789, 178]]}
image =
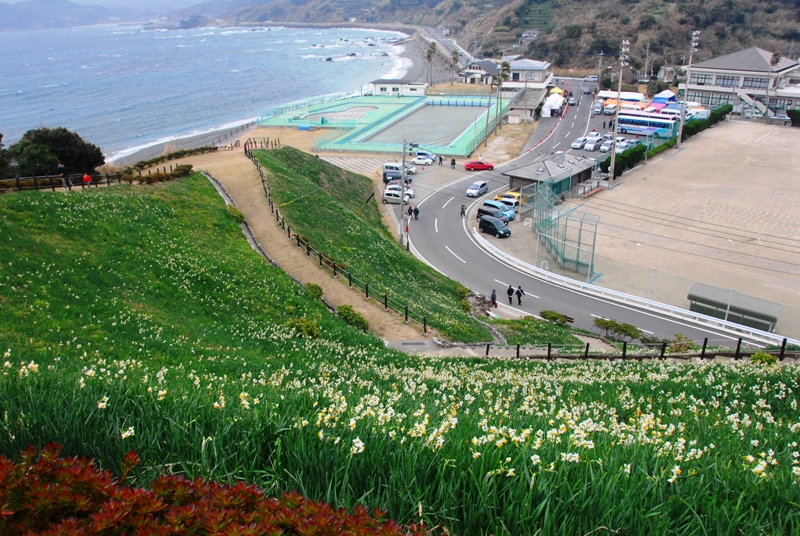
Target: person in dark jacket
{"points": [[510, 294], [416, 213], [520, 293], [494, 299]]}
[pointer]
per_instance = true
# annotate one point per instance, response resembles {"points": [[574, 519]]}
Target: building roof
{"points": [[750, 59], [396, 81], [487, 65], [531, 65], [551, 167]]}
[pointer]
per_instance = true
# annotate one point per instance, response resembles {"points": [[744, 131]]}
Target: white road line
{"points": [[526, 294], [436, 224], [448, 201], [573, 125], [456, 256], [504, 284], [556, 145]]}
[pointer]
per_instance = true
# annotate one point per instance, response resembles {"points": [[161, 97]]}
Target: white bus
{"points": [[646, 124]]}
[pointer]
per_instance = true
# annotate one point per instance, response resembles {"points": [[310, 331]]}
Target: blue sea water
{"points": [[124, 87]]}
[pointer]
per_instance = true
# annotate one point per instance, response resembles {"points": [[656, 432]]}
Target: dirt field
{"points": [[723, 210]]}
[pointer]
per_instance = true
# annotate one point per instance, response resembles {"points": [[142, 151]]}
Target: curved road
{"points": [[444, 241]]}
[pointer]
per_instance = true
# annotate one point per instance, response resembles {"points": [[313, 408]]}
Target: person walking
{"points": [[463, 209], [62, 172], [410, 211], [416, 213], [604, 125], [520, 293], [441, 159], [510, 294], [452, 163], [494, 299]]}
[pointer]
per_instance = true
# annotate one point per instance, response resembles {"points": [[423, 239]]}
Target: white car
{"points": [[621, 139], [571, 101], [422, 161], [579, 143], [606, 147], [395, 186]]}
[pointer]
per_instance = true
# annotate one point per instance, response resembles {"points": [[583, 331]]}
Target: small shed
{"points": [[398, 88], [730, 305]]}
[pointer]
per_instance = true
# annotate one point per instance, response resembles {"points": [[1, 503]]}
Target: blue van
{"points": [[507, 211]]}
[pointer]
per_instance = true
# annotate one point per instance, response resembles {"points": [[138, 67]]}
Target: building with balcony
{"points": [[530, 74], [746, 78]]}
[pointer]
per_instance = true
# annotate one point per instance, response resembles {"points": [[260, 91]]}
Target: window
{"points": [[701, 79], [383, 89], [754, 83], [395, 89], [515, 76], [728, 81], [778, 104], [412, 89], [709, 99]]}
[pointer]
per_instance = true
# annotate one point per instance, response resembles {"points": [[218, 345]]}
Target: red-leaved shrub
{"points": [[47, 494]]}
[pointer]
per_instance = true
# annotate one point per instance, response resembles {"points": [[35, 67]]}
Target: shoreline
{"points": [[410, 59]]}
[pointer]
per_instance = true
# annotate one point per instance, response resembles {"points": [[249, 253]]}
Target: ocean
{"points": [[124, 88]]}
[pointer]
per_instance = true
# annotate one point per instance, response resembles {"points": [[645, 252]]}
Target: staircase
{"points": [[754, 103]]}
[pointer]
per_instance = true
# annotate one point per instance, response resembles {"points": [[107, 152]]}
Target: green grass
{"points": [[329, 206], [145, 309], [531, 331]]}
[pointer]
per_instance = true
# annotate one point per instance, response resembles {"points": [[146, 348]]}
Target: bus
{"points": [[646, 124]]}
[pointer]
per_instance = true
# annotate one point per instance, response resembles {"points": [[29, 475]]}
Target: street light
{"points": [[623, 62], [692, 50], [403, 214]]}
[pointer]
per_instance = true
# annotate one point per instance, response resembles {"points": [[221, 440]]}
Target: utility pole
{"points": [[692, 50], [600, 69], [623, 62], [488, 111], [646, 60]]}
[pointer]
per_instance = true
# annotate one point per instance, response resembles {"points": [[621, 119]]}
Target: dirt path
{"points": [[239, 177]]}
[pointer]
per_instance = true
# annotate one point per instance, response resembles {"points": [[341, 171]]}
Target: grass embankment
{"points": [[139, 318], [328, 205], [534, 332]]}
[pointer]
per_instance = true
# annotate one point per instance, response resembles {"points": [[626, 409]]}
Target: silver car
{"points": [[606, 147], [593, 144], [579, 143]]}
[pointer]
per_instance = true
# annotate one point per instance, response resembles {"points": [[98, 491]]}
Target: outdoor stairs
{"points": [[752, 102]]}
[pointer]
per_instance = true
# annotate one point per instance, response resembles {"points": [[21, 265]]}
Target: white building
{"points": [[399, 88], [478, 72], [530, 74], [746, 77]]}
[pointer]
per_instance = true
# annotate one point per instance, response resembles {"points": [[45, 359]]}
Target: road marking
{"points": [[448, 201], [456, 256], [573, 125], [526, 294], [436, 224], [556, 145]]}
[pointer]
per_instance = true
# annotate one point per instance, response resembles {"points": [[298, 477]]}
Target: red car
{"points": [[477, 164]]}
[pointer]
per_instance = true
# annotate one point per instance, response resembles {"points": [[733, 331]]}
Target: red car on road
{"points": [[477, 165]]}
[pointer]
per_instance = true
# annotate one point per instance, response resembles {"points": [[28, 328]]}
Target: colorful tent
{"points": [[557, 90]]}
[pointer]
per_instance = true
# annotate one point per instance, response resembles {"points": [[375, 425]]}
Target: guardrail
{"points": [[636, 301]]}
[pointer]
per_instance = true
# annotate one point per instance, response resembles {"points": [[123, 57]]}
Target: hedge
{"points": [[794, 115]]}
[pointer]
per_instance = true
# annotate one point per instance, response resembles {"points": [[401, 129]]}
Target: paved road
{"points": [[444, 240]]}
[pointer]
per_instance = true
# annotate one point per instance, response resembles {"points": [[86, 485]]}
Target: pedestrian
{"points": [[441, 159], [62, 172], [520, 293], [87, 180], [416, 213], [494, 299], [410, 211], [463, 209], [604, 125], [453, 163], [510, 293]]}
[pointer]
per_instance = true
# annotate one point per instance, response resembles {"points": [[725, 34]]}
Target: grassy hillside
{"points": [[329, 206], [140, 319]]}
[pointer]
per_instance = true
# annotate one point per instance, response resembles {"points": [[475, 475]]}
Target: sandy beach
{"points": [[413, 54]]}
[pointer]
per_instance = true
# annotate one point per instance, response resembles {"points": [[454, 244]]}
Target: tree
{"points": [[4, 163], [429, 55], [773, 62], [497, 81], [573, 31], [455, 57], [40, 150], [607, 83]]}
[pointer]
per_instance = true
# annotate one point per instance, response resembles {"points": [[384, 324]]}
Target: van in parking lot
{"points": [[493, 212], [611, 109], [507, 211], [591, 78], [494, 226], [597, 108], [396, 166], [393, 196]]}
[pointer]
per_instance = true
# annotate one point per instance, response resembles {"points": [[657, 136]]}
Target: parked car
{"points": [[513, 204], [507, 211], [597, 108], [473, 165], [424, 154], [488, 224], [422, 161], [622, 147], [578, 143], [586, 91], [477, 189], [571, 101], [396, 166], [509, 195], [393, 196], [591, 78], [395, 185], [622, 139], [608, 136], [391, 176], [593, 144], [606, 147], [493, 212]]}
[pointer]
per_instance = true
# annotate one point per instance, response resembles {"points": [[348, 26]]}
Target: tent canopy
{"points": [[557, 90]]}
